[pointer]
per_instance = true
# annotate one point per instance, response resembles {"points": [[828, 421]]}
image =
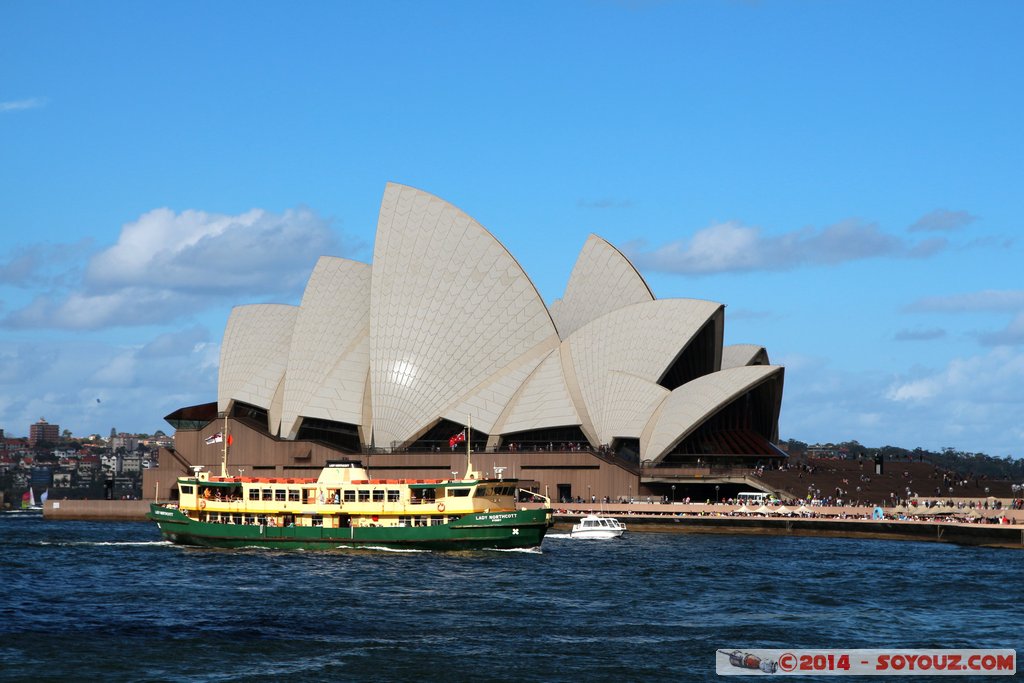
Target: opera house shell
{"points": [[444, 328]]}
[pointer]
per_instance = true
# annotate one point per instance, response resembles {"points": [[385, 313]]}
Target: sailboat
{"points": [[28, 500]]}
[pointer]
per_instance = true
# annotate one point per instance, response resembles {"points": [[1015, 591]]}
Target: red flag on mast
{"points": [[458, 438]]}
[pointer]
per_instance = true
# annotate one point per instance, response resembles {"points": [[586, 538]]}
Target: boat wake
{"points": [[558, 536], [383, 549], [102, 543], [532, 551]]}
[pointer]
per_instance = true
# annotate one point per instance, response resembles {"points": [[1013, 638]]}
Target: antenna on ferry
{"points": [[224, 462], [498, 471], [469, 457], [195, 469]]}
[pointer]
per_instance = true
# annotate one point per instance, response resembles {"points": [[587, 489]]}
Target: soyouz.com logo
{"points": [[895, 662]]}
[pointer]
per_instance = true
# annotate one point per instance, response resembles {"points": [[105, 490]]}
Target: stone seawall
{"points": [[119, 510]]}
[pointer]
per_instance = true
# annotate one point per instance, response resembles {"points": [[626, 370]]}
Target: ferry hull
{"points": [[502, 530]]}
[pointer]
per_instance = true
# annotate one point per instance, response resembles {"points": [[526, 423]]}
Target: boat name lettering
{"points": [[495, 518]]}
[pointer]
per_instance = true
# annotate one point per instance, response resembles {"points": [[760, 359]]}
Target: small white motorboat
{"points": [[593, 526]]}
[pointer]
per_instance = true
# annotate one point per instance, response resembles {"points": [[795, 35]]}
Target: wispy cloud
{"points": [[19, 105], [920, 335], [942, 220], [42, 264], [1012, 335], [604, 203], [985, 300], [732, 246], [166, 265]]}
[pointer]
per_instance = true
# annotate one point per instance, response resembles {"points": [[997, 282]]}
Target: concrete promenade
{"points": [[964, 526]]}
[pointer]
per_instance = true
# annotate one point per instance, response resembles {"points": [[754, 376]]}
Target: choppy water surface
{"points": [[112, 601]]}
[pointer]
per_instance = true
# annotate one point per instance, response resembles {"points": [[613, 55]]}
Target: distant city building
{"points": [[125, 441], [42, 477], [43, 432], [131, 463]]}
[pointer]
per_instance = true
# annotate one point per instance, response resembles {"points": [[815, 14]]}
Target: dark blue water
{"points": [[111, 601]]}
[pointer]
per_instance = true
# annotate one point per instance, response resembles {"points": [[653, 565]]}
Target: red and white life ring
{"points": [[440, 507], [202, 504]]}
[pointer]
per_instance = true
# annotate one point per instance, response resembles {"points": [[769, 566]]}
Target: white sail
{"points": [[42, 498]]}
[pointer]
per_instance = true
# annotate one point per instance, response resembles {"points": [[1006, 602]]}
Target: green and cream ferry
{"points": [[344, 507]]}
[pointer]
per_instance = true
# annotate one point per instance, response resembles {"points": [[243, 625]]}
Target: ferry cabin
{"points": [[341, 497]]}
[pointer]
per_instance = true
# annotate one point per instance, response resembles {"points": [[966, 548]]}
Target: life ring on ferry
{"points": [[440, 507], [202, 504]]}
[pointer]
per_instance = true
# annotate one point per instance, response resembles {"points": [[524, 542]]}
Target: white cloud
{"points": [[973, 403], [995, 377], [131, 382], [732, 246], [199, 251], [169, 265]]}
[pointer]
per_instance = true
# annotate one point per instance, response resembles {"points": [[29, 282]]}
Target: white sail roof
{"points": [[641, 340], [690, 405], [330, 349], [543, 401], [254, 354], [446, 325], [603, 280], [737, 355], [449, 310]]}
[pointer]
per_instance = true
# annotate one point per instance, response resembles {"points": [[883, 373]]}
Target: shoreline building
{"points": [[608, 393]]}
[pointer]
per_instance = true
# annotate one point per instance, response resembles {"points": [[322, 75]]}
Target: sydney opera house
{"points": [[608, 392]]}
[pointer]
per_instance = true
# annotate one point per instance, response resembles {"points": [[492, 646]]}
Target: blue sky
{"points": [[845, 176]]}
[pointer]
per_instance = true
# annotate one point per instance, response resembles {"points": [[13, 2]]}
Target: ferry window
{"points": [[268, 494], [378, 496], [279, 494], [436, 521], [254, 494], [249, 519], [394, 495], [238, 519], [420, 521], [364, 496], [459, 493], [318, 520], [350, 496], [293, 495], [405, 521], [186, 489]]}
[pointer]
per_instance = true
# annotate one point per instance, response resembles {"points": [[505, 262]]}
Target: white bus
{"points": [[753, 497]]}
